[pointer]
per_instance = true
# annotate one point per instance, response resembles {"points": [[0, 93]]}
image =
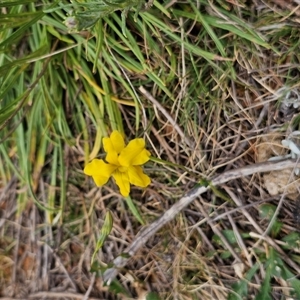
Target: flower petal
{"points": [[138, 177], [116, 141], [100, 180], [99, 170], [122, 181], [134, 153], [113, 145], [141, 158]]}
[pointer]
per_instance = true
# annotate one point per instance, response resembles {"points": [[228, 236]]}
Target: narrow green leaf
{"points": [[104, 233], [134, 210], [14, 3]]}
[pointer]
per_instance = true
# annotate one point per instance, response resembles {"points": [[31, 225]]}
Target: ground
{"points": [[213, 89]]}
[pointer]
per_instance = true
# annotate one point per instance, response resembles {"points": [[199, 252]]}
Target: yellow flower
{"points": [[123, 163]]}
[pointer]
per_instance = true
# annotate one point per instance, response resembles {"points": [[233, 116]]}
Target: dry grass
{"points": [[230, 242]]}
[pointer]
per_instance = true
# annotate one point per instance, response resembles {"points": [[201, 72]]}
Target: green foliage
{"points": [[87, 13], [274, 268], [267, 211], [134, 210], [117, 288], [230, 237], [240, 288], [292, 240], [152, 296], [104, 233]]}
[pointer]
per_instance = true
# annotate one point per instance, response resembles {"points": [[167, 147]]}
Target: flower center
{"points": [[122, 169]]}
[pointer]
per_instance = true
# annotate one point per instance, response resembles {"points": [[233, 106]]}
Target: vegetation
{"points": [[211, 86]]}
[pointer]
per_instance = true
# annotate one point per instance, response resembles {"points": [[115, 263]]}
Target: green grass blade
{"points": [[134, 209], [104, 233]]}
